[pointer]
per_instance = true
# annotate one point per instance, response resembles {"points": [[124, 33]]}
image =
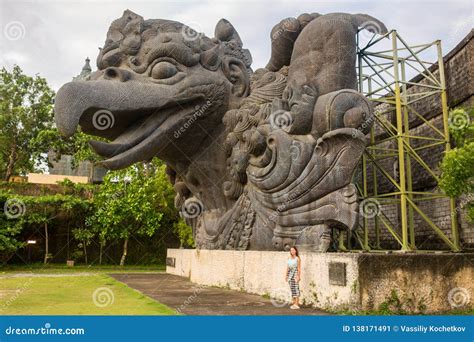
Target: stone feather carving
{"points": [[259, 159]]}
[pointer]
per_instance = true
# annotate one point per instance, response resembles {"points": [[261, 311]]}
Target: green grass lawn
{"points": [[62, 268], [73, 295]]}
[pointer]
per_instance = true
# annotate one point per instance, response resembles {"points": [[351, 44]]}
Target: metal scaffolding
{"points": [[383, 78]]}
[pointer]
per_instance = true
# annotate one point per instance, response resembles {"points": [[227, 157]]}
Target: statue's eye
{"points": [[162, 70]]}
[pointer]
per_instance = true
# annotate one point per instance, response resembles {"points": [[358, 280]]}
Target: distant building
{"points": [[85, 169], [40, 178], [18, 179], [85, 72]]}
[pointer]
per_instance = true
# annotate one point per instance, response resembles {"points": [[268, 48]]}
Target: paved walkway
{"points": [[191, 299]]}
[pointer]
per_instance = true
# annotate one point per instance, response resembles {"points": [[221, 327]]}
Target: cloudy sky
{"points": [[53, 37]]}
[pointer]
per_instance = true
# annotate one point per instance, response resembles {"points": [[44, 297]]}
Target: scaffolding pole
{"points": [[383, 79]]}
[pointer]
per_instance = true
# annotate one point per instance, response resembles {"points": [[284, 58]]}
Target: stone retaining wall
{"points": [[398, 282]]}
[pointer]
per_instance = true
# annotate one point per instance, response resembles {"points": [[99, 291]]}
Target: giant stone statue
{"points": [[259, 160]]}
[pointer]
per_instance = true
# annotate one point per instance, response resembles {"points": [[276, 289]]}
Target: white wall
{"points": [[263, 273]]}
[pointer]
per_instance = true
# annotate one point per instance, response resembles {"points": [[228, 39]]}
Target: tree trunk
{"points": [[101, 247], [68, 250], [124, 255], [46, 252], [11, 162], [85, 251], [91, 173]]}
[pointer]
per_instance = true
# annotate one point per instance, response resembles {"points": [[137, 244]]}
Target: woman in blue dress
{"points": [[292, 276]]}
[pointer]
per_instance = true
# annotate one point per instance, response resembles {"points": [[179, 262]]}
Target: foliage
{"points": [[131, 201], [76, 146], [37, 212], [184, 232], [461, 128], [9, 230], [457, 178], [26, 109], [27, 131], [138, 200], [458, 170]]}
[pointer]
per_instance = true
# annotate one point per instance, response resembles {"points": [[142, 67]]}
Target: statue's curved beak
{"points": [[77, 102], [137, 116]]}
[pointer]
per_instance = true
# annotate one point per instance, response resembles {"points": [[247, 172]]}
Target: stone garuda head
{"points": [[259, 160]]}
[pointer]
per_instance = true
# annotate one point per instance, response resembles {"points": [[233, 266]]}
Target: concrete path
{"points": [[192, 299]]}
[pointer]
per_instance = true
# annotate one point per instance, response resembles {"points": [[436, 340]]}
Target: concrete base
{"points": [[396, 282]]}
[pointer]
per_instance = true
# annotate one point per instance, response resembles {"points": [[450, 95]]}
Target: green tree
{"points": [[26, 108], [9, 227], [457, 167], [76, 146], [130, 202], [41, 211], [184, 232], [9, 230], [38, 212]]}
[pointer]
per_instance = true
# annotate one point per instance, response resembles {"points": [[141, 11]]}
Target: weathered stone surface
{"points": [[263, 272], [399, 282], [259, 160], [418, 282], [337, 273]]}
